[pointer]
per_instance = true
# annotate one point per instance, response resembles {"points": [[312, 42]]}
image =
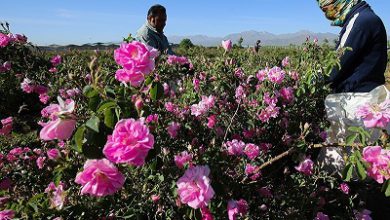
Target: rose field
{"points": [[212, 133]]}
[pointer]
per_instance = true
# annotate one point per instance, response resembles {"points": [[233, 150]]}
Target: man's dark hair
{"points": [[156, 10]]}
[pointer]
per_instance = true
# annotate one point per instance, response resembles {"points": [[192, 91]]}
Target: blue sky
{"points": [[88, 21]]}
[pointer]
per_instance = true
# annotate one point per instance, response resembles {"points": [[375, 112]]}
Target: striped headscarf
{"points": [[337, 10]]}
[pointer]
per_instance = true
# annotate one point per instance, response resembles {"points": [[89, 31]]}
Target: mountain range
{"points": [[250, 38]]}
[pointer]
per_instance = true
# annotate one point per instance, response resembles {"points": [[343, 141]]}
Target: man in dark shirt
{"points": [[362, 67]]}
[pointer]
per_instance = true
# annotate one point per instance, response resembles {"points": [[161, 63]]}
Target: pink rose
{"points": [[173, 129], [375, 115], [137, 59], [56, 60], [252, 151], [40, 162], [276, 75], [20, 38], [378, 160], [61, 129], [27, 86], [7, 214], [173, 60], [287, 94], [305, 167], [133, 78], [237, 208], [57, 195], [235, 147], [194, 187], [344, 188], [227, 45], [6, 126], [206, 214], [100, 178], [4, 40], [155, 198], [182, 158], [130, 142], [211, 121], [53, 154], [286, 61], [251, 171]]}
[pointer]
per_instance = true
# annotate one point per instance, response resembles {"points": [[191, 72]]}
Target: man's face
{"points": [[158, 21]]}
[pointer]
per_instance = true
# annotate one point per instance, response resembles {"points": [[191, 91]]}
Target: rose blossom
{"points": [[4, 40], [305, 167], [130, 142], [56, 60], [250, 171], [235, 147], [227, 45], [252, 151], [40, 162], [173, 129], [6, 126], [182, 158], [173, 60], [379, 162], [53, 154], [235, 208], [276, 75], [100, 178], [375, 115], [211, 121], [27, 86], [137, 59], [7, 214], [286, 61], [194, 187], [57, 195], [63, 123], [344, 188]]}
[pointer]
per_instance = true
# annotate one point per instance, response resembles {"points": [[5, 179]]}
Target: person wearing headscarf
{"points": [[359, 80], [363, 67]]}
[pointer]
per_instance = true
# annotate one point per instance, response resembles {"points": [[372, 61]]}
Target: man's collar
{"points": [[152, 28]]}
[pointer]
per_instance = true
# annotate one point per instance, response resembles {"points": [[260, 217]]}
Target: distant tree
{"points": [[186, 43], [239, 42], [326, 40]]}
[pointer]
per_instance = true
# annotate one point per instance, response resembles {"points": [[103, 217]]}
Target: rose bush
{"points": [[216, 134]]}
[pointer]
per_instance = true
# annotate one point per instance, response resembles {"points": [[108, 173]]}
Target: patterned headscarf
{"points": [[337, 10]]}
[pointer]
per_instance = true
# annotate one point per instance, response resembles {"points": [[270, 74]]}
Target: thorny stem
{"points": [[231, 121]]}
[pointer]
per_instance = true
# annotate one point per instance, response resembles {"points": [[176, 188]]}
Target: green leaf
{"points": [[347, 172], [157, 91], [386, 188], [360, 170], [79, 138], [106, 105], [351, 139], [109, 118], [93, 123], [90, 92], [354, 129], [93, 103], [148, 80]]}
